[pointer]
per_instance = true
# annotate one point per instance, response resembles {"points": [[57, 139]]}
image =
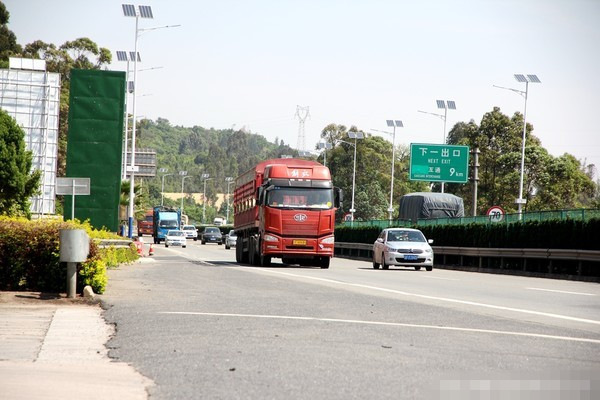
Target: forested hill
{"points": [[197, 150]]}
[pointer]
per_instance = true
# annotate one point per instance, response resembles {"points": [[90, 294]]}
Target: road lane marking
{"points": [[380, 323], [445, 299], [561, 291]]}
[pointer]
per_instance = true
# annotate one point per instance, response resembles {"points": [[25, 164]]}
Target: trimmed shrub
{"points": [[30, 250]]}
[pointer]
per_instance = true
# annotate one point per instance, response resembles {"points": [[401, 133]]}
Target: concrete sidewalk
{"points": [[53, 347]]}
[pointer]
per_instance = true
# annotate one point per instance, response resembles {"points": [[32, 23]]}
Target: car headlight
{"points": [[328, 240], [428, 250], [270, 238], [388, 248]]}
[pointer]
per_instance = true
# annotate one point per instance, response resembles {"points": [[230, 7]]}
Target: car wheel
{"points": [[429, 268], [166, 245], [375, 264], [227, 247], [203, 242], [184, 246], [383, 264], [417, 268], [195, 239]]}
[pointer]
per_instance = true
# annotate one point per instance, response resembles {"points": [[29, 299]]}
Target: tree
{"points": [[8, 40], [17, 182]]}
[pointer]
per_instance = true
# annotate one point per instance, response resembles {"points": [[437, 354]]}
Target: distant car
{"points": [[175, 238], [190, 232], [212, 234], [402, 247], [230, 239]]}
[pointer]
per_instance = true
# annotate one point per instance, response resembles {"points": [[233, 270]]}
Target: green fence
{"points": [[576, 214]]}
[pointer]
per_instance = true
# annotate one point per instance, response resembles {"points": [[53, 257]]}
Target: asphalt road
{"points": [[202, 326]]}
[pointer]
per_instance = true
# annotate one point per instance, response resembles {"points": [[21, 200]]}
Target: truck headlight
{"points": [[270, 238], [328, 240]]}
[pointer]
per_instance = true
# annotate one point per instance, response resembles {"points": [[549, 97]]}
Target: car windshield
{"points": [[232, 233], [189, 228], [405, 236], [212, 230], [286, 197], [175, 233]]}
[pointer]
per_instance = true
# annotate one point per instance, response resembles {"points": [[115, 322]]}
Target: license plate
{"points": [[410, 257], [299, 242]]}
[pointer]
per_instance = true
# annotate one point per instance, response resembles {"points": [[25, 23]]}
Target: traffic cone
{"points": [[151, 251]]}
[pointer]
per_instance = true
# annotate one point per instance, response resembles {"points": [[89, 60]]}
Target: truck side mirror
{"points": [[338, 197], [261, 194]]}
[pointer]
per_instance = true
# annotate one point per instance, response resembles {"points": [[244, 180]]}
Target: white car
{"points": [[175, 238], [190, 232], [230, 239], [402, 247]]}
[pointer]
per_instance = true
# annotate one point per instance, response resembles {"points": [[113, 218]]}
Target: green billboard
{"points": [[439, 163], [95, 144]]}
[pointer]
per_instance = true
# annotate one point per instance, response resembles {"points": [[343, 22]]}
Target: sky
{"points": [[250, 63]]}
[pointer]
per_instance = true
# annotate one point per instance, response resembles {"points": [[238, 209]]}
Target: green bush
{"points": [[30, 251]]}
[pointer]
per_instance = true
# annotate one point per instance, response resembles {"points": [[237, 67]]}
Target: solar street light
{"points": [[393, 124]]}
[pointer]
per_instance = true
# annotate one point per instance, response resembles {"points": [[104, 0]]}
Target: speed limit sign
{"points": [[495, 213]]}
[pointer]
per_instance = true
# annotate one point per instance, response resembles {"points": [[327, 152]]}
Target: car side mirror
{"points": [[430, 241]]}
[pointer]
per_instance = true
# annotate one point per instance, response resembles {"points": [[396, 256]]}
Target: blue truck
{"points": [[163, 220]]}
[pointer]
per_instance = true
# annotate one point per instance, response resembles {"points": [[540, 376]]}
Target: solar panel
{"points": [[399, 124], [121, 55], [132, 56], [389, 122], [129, 10], [441, 104], [451, 105], [146, 12], [520, 78], [534, 79]]}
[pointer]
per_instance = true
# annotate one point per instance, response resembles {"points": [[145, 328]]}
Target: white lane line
{"points": [[437, 277], [560, 291], [448, 300], [396, 324]]}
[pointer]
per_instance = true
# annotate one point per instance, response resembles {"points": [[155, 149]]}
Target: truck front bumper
{"points": [[276, 246]]}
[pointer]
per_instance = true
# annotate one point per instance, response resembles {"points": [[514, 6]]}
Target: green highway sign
{"points": [[439, 163]]}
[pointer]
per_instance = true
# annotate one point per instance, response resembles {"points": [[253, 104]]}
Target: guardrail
{"points": [[576, 264]]}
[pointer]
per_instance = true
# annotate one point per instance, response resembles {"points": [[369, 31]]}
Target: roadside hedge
{"points": [[565, 234], [29, 256]]}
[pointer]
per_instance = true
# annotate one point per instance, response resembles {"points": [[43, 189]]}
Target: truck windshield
{"points": [[168, 223], [289, 197]]}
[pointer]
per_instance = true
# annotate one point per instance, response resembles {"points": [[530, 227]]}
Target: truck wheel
{"points": [[324, 262], [383, 264], [238, 250]]}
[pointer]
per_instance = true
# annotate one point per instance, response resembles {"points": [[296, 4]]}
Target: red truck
{"points": [[145, 226], [285, 208]]}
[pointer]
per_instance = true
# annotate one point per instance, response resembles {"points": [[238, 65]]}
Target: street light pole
{"points": [[394, 124], [355, 136], [448, 104], [521, 78], [229, 181], [182, 196], [205, 177]]}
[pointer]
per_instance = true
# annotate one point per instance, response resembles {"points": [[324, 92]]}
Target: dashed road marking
{"points": [[561, 291], [381, 323]]}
